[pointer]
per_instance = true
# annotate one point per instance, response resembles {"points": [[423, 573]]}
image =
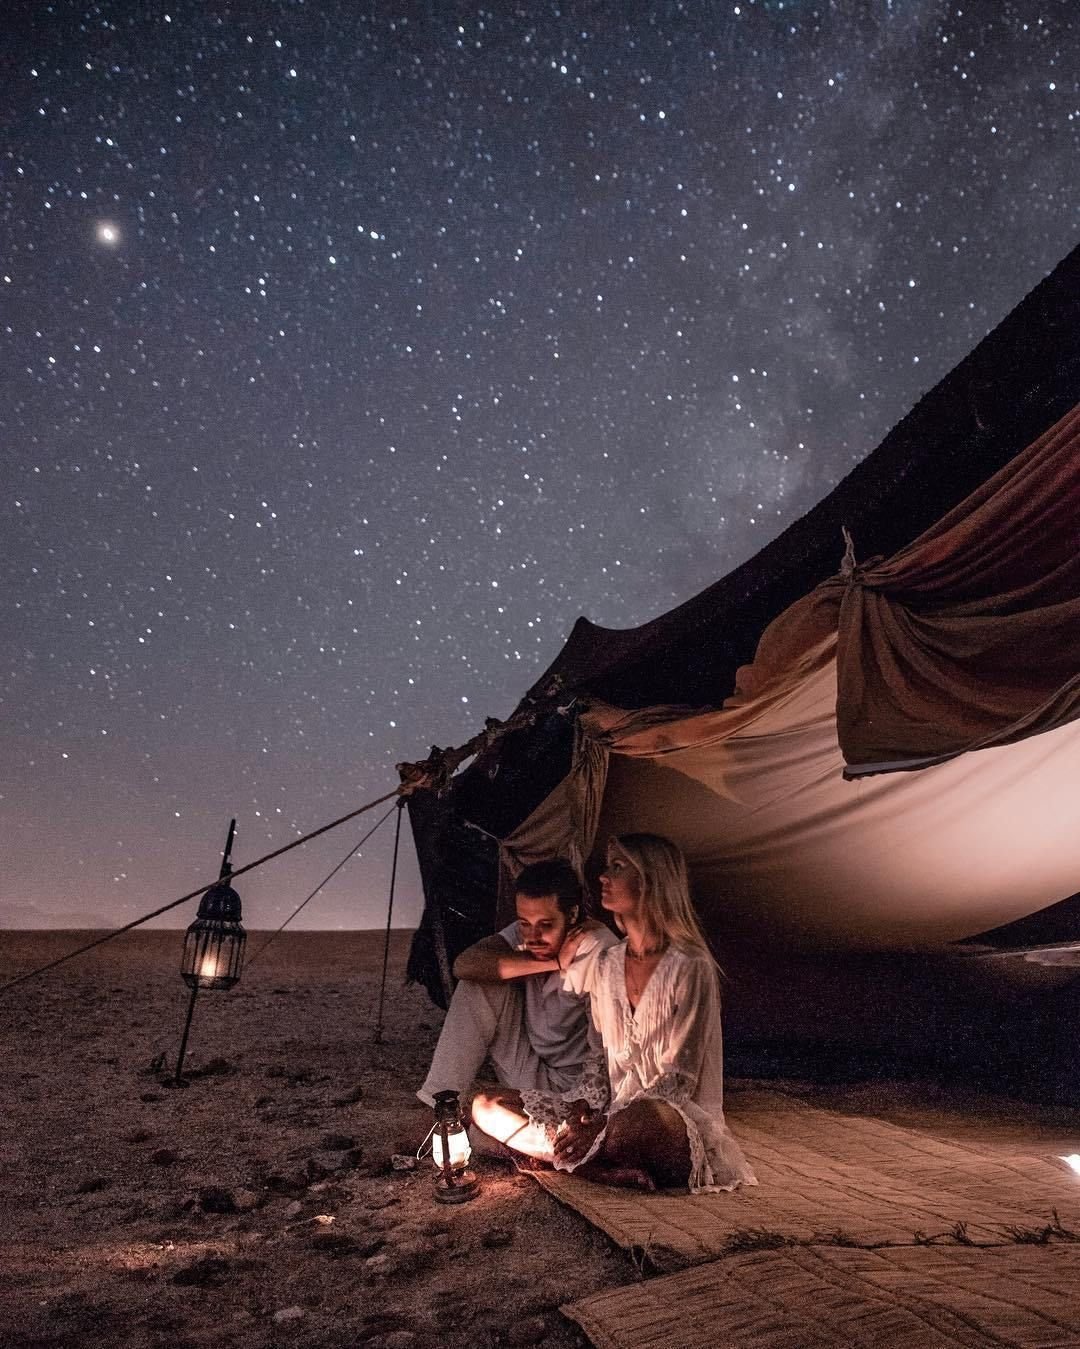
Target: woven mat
{"points": [[809, 1298], [833, 1177]]}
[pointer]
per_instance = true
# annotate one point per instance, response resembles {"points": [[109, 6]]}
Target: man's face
{"points": [[543, 925]]}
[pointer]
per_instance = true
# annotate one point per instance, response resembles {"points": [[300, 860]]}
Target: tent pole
{"points": [[438, 934], [178, 1078], [389, 915]]}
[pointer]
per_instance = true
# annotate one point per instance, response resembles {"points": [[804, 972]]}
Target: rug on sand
{"points": [[838, 1179], [810, 1298]]}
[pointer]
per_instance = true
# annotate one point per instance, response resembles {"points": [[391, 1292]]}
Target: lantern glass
{"points": [[450, 1151], [460, 1151], [213, 956]]}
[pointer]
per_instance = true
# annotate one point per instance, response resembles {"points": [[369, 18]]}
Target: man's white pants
{"points": [[487, 1021]]}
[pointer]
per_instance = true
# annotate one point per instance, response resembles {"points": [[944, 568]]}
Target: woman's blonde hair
{"points": [[665, 888]]}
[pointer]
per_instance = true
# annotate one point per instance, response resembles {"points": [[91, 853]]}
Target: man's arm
{"points": [[493, 960]]}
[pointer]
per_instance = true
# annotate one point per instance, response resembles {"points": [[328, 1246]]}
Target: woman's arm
{"points": [[579, 956]]}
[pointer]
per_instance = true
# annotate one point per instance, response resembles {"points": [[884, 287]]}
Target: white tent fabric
{"points": [[782, 848]]}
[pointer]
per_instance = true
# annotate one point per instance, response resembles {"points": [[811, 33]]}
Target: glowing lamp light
{"points": [[214, 943], [455, 1183], [460, 1150], [1072, 1159]]}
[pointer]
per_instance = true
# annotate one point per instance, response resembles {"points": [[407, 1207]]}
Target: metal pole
{"points": [[226, 864], [178, 1081], [389, 914], [447, 1169]]}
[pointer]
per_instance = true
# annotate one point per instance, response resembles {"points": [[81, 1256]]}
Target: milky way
{"points": [[350, 351]]}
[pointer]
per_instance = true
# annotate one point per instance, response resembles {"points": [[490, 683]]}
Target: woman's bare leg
{"points": [[645, 1147], [605, 1173], [501, 1115]]}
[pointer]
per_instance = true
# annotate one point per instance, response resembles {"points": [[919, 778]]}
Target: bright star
{"points": [[108, 233]]}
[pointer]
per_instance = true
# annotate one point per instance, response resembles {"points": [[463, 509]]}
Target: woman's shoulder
{"points": [[693, 960], [609, 961], [598, 936], [612, 951]]}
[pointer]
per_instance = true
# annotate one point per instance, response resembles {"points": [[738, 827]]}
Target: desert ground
{"points": [[272, 1202], [261, 1205]]}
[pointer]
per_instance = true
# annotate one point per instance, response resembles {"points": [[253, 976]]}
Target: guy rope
{"points": [[433, 773]]}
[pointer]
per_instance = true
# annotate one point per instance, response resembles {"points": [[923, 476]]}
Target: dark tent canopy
{"points": [[925, 615]]}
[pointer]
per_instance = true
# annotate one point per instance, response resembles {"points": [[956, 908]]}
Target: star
{"points": [[347, 360]]}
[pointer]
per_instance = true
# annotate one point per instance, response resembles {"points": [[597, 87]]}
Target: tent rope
{"points": [[325, 880], [201, 889], [433, 773], [389, 914], [848, 565]]}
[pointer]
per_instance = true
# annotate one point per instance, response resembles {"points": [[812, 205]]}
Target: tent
{"points": [[866, 738]]}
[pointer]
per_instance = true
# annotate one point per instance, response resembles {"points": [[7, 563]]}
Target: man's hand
{"points": [[578, 1133]]}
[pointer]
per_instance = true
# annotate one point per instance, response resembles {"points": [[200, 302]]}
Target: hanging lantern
{"points": [[455, 1183], [214, 944], [213, 947]]}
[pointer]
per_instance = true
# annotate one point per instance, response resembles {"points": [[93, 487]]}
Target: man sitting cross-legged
{"points": [[510, 1005]]}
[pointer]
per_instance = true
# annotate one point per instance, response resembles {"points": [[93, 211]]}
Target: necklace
{"points": [[647, 953]]}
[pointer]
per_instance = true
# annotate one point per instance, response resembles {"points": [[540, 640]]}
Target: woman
{"points": [[656, 1003]]}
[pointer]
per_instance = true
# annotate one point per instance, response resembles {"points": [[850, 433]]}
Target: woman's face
{"points": [[620, 885]]}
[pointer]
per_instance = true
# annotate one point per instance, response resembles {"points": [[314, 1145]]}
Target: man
{"points": [[510, 1006]]}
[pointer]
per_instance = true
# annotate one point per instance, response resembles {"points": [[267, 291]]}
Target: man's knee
{"points": [[487, 1004]]}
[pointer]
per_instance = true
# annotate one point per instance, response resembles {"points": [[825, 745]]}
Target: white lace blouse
{"points": [[668, 1048]]}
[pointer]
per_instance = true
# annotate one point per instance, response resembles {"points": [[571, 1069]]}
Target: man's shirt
{"points": [[557, 1022]]}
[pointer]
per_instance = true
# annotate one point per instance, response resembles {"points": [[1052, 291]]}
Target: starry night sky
{"points": [[351, 350]]}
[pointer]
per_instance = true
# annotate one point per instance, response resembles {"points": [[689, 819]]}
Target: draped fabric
{"points": [[563, 825], [968, 639]]}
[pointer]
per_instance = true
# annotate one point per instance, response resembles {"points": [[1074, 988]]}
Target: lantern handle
{"points": [[226, 864], [423, 1150]]}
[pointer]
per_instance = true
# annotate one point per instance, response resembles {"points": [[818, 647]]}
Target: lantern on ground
{"points": [[455, 1183], [213, 955]]}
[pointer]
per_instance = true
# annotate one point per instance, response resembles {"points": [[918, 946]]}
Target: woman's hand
{"points": [[568, 950], [578, 1133]]}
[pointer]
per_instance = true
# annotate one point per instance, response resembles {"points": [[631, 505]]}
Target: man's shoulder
{"points": [[511, 933]]}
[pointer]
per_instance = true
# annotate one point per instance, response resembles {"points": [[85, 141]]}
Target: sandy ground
{"points": [[260, 1206]]}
